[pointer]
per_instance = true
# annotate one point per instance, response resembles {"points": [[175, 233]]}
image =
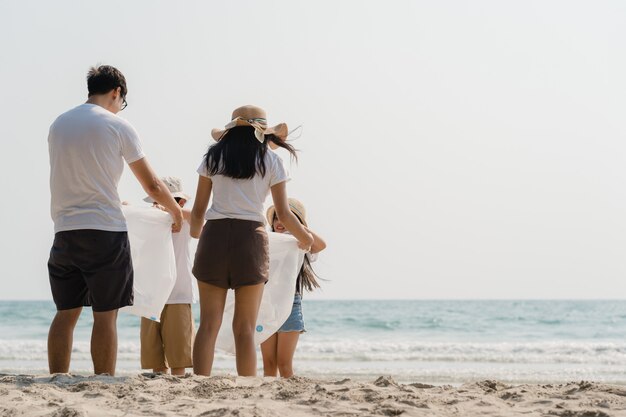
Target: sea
{"points": [[436, 342]]}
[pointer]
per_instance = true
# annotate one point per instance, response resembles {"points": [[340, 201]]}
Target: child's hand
{"points": [[177, 216]]}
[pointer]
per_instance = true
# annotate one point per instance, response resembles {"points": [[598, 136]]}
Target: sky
{"points": [[449, 149]]}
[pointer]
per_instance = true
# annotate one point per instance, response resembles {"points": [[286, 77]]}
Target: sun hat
{"points": [[252, 116], [175, 185], [296, 208]]}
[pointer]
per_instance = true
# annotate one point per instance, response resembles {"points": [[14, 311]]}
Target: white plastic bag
{"points": [[285, 262], [150, 236]]}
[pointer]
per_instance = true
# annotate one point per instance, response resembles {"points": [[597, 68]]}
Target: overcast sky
{"points": [[450, 149]]}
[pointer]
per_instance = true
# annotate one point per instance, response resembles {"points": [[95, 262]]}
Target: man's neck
{"points": [[101, 101]]}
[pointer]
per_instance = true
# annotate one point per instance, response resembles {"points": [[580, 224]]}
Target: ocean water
{"points": [[437, 342]]}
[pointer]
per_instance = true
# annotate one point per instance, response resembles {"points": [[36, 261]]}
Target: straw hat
{"points": [[296, 208], [252, 116], [175, 185]]}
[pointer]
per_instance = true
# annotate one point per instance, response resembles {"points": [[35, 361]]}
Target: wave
{"points": [[364, 350], [485, 352]]}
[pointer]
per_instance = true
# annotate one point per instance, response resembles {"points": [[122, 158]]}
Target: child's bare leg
{"points": [[247, 302], [212, 301], [160, 370], [178, 371], [286, 347], [268, 350]]}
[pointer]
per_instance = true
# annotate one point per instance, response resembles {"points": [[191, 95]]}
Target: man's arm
{"points": [[158, 191]]}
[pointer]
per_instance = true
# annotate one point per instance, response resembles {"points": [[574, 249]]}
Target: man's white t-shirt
{"points": [[88, 146], [243, 198], [182, 293]]}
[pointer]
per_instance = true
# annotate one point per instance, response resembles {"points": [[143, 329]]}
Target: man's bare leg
{"points": [[60, 339], [104, 342]]}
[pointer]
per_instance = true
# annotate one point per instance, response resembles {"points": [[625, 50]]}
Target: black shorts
{"points": [[91, 268]]}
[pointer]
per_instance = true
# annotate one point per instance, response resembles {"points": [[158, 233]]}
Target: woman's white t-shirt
{"points": [[243, 198]]}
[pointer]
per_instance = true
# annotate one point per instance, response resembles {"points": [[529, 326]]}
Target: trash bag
{"points": [[152, 252], [286, 259]]}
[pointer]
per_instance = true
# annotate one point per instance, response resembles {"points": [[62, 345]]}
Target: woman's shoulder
{"points": [[271, 156]]}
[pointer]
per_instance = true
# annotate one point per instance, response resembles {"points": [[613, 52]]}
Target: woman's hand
{"points": [[203, 193], [305, 245]]}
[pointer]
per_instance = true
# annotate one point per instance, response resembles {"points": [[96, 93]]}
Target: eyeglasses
{"points": [[124, 104]]}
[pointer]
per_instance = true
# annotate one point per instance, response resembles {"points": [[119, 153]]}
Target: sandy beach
{"points": [[65, 395]]}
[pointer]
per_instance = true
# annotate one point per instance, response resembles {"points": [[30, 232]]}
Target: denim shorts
{"points": [[295, 322]]}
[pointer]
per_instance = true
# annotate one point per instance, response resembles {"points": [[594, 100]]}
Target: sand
{"points": [[65, 395]]}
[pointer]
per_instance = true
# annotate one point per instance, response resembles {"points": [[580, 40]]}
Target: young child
{"points": [[168, 344], [239, 171], [279, 349]]}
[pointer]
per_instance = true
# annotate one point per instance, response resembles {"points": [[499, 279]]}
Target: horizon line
{"points": [[396, 299]]}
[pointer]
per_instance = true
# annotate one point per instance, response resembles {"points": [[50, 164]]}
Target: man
{"points": [[90, 262]]}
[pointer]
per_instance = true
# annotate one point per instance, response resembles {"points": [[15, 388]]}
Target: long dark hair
{"points": [[240, 155], [307, 278]]}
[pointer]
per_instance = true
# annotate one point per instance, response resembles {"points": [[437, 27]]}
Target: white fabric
{"points": [[243, 199], [154, 264], [88, 146], [285, 263], [182, 293]]}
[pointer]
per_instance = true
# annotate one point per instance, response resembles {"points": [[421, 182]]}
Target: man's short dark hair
{"points": [[104, 78]]}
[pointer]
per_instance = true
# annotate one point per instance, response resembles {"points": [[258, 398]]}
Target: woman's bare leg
{"points": [[212, 301], [247, 303]]}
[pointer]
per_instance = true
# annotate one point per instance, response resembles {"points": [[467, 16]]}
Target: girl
{"points": [[279, 349], [232, 252]]}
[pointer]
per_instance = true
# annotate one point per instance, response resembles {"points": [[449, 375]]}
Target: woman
{"points": [[240, 171]]}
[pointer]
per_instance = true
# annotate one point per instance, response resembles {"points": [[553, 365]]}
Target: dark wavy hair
{"points": [[307, 278], [240, 155]]}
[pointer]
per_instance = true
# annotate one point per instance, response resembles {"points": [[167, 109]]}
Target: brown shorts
{"points": [[168, 344], [232, 253]]}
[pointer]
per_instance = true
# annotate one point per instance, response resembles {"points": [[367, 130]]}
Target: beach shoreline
{"points": [[443, 342], [164, 395]]}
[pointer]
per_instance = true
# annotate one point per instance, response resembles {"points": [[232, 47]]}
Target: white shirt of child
{"points": [[243, 198], [182, 293], [88, 146]]}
